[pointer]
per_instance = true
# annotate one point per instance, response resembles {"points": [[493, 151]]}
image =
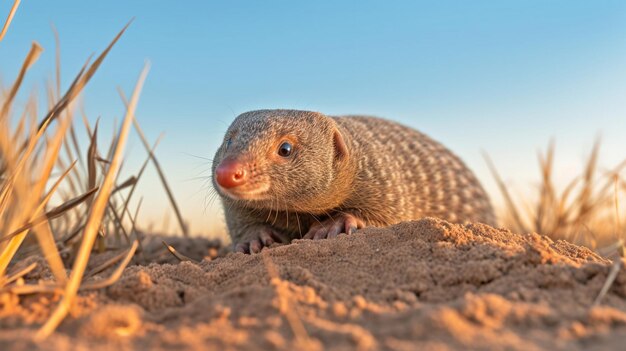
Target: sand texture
{"points": [[426, 285]]}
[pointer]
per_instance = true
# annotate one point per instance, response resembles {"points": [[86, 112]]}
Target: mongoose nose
{"points": [[230, 174]]}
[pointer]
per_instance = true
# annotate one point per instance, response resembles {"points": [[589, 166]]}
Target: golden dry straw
{"points": [[95, 217], [585, 211], [176, 254], [7, 23]]}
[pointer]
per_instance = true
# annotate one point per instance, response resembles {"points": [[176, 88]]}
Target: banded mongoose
{"points": [[287, 174]]}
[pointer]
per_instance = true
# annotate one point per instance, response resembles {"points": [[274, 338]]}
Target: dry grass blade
{"points": [[176, 254], [33, 289], [81, 80], [75, 179], [8, 188], [31, 58], [118, 221], [74, 140], [141, 170], [563, 213], [46, 199], [50, 252], [584, 202], [21, 125], [33, 192], [108, 263], [112, 143], [91, 160], [505, 192], [43, 231], [86, 123], [615, 268], [102, 160], [6, 142], [133, 229], [116, 274], [7, 23], [170, 195], [548, 196], [59, 210], [94, 220], [128, 182], [54, 213], [57, 59], [17, 275], [67, 239]]}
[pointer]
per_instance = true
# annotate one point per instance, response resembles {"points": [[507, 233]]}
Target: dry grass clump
{"points": [[42, 162], [586, 211]]}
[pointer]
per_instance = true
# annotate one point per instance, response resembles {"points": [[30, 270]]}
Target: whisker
{"points": [[276, 215], [196, 156], [287, 208], [299, 229], [197, 178], [269, 214]]}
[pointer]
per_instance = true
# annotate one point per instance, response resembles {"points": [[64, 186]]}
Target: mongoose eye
{"points": [[228, 142], [285, 149]]}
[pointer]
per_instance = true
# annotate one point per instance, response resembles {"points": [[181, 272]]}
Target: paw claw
{"points": [[242, 247], [255, 246], [332, 227], [264, 237], [320, 234]]}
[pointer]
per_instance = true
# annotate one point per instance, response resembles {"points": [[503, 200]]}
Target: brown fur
{"points": [[377, 170]]}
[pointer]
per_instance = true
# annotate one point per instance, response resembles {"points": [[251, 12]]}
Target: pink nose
{"points": [[230, 173]]}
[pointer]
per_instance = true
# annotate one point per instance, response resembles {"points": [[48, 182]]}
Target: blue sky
{"points": [[499, 76]]}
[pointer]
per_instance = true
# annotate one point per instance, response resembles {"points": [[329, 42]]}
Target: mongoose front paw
{"points": [[257, 240], [331, 227]]}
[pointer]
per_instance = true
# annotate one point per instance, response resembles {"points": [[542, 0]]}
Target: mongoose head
{"points": [[282, 160]]}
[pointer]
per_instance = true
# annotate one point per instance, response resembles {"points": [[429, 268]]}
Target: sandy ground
{"points": [[421, 285]]}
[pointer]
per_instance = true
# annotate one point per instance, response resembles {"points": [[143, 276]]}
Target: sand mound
{"points": [[426, 284]]}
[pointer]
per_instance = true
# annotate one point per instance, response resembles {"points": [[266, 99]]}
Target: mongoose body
{"points": [[287, 174]]}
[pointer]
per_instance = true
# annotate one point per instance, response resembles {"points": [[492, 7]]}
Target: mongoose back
{"points": [[287, 174]]}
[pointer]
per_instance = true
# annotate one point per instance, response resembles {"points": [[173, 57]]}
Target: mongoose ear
{"points": [[341, 149]]}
